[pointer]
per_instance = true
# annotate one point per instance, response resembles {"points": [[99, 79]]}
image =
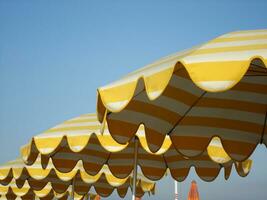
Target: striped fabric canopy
{"points": [[215, 89], [79, 141], [12, 192], [15, 174]]}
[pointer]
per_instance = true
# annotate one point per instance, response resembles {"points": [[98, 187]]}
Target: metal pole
{"points": [[73, 188], [176, 190], [135, 167]]}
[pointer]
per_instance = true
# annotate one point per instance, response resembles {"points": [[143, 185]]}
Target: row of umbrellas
{"points": [[18, 177], [80, 140], [205, 107], [26, 192], [75, 153]]}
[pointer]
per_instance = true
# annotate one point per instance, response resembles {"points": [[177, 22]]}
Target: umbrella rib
{"points": [[264, 126], [188, 110]]}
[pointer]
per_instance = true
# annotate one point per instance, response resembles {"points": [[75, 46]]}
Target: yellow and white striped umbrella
{"points": [[79, 140], [215, 89], [12, 192], [25, 192], [37, 178]]}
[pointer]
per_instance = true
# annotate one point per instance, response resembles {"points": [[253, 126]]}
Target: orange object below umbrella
{"points": [[193, 192], [97, 197], [136, 198]]}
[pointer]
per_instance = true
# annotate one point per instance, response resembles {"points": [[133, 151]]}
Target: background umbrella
{"points": [[12, 191], [38, 178], [80, 139], [193, 192], [218, 88]]}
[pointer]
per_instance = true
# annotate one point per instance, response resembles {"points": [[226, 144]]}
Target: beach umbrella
{"points": [[36, 178], [12, 191], [80, 140], [193, 192], [218, 89]]}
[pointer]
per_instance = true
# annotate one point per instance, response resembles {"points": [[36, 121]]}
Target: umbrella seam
{"points": [[188, 110]]}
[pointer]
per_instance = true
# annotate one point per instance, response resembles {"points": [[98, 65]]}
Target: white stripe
{"points": [[155, 94], [116, 105], [185, 84], [227, 114], [243, 96], [173, 152], [208, 132], [136, 117], [244, 34], [233, 43], [84, 158], [167, 103], [215, 85], [220, 159], [182, 164], [78, 124], [215, 143], [152, 164], [84, 116], [261, 80], [58, 134], [225, 56]]}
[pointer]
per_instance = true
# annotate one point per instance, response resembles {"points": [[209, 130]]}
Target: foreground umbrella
{"points": [[36, 179], [215, 89], [193, 192], [80, 139]]}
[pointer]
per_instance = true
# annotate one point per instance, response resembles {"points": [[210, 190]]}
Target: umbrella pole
{"points": [[176, 190], [135, 167], [73, 188]]}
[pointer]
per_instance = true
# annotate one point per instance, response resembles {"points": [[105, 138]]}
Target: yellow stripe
{"points": [[217, 71]]}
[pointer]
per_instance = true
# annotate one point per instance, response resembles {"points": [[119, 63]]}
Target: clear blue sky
{"points": [[54, 54]]}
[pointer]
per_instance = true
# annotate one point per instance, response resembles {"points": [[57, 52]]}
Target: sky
{"points": [[55, 54]]}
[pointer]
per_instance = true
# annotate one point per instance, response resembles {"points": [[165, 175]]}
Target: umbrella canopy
{"points": [[80, 140], [193, 192], [218, 89], [15, 174], [12, 192]]}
